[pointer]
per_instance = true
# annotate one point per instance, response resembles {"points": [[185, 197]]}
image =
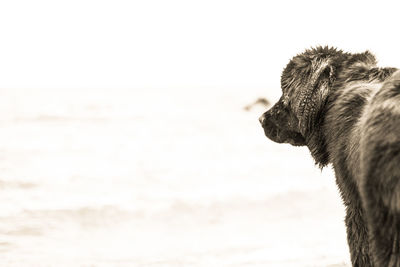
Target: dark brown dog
{"points": [[347, 112]]}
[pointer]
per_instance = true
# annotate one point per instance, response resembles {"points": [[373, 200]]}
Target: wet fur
{"points": [[347, 112]]}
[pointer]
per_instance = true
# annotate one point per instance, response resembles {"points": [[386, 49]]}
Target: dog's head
{"points": [[306, 83]]}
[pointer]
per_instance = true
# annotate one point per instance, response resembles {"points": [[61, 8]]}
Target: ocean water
{"points": [[177, 177]]}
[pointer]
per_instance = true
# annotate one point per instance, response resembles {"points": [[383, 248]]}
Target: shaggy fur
{"points": [[347, 112]]}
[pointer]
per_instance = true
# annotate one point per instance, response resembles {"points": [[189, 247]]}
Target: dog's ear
{"points": [[313, 94], [366, 59]]}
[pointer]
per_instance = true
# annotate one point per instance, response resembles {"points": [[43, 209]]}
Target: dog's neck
{"points": [[316, 141]]}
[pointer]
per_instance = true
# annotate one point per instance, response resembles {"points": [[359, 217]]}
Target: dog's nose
{"points": [[262, 119]]}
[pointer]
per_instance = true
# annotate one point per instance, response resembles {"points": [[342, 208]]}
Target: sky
{"points": [[185, 44]]}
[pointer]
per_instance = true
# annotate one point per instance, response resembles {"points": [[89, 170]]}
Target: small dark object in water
{"points": [[260, 101]]}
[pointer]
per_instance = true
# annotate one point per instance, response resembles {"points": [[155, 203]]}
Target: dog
{"points": [[346, 110]]}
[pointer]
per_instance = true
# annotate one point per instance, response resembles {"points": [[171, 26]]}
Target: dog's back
{"points": [[380, 169], [365, 116]]}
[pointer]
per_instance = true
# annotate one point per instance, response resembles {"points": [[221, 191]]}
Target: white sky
{"points": [[149, 44]]}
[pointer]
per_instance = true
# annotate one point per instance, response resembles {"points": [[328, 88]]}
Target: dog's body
{"points": [[347, 111]]}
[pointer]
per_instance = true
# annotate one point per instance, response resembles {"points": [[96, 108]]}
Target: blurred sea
{"points": [[158, 178]]}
